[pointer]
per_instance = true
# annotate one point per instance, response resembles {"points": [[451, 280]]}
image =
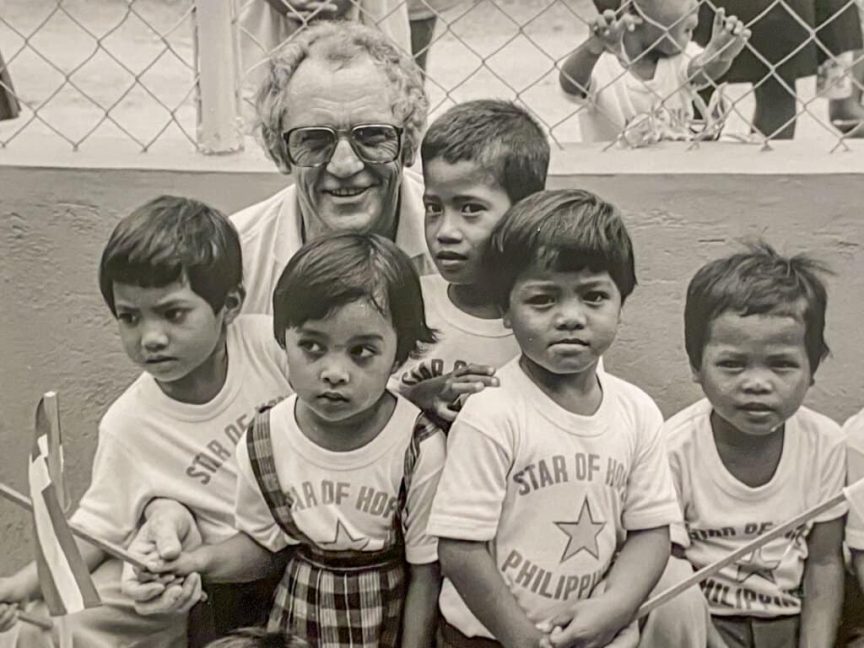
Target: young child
{"points": [[256, 637], [641, 60], [559, 470], [171, 275], [750, 456], [344, 470], [479, 158]]}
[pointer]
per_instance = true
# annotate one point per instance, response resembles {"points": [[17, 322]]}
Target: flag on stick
{"points": [[63, 574]]}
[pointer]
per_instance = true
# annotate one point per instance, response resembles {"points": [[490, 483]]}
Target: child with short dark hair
{"points": [[256, 637], [556, 486], [479, 158], [751, 456], [344, 470], [171, 275]]}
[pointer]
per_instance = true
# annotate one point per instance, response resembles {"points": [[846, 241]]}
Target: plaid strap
{"points": [[424, 427], [260, 447]]}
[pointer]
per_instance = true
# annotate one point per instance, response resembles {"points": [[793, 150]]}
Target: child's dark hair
{"points": [[341, 268], [756, 282], [499, 136], [255, 637], [563, 230], [170, 239]]}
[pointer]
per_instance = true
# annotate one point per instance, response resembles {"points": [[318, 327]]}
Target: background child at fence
{"points": [[546, 474], [344, 469], [750, 456], [479, 158], [641, 60], [171, 275]]}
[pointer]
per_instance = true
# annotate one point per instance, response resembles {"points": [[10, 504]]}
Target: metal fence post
{"points": [[220, 128]]}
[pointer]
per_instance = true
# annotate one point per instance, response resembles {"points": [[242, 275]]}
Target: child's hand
{"points": [[728, 37], [590, 623], [10, 600], [8, 616], [607, 31], [458, 385]]}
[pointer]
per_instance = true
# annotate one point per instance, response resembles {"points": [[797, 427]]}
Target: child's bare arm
{"points": [[728, 37], [471, 568], [823, 585], [594, 622], [237, 559], [607, 32], [421, 606]]}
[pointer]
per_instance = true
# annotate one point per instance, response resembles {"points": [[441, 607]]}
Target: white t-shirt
{"points": [[462, 338], [153, 446], [722, 513], [616, 96], [853, 430], [344, 500], [552, 492], [270, 234]]}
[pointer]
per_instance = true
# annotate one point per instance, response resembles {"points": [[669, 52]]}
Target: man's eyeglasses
{"points": [[313, 146]]}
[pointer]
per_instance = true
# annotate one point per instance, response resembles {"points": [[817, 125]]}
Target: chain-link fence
{"points": [[160, 70]]}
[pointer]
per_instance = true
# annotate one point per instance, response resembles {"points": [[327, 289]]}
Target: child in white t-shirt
{"points": [[171, 275], [344, 470], [642, 61], [750, 457], [479, 158], [554, 507]]}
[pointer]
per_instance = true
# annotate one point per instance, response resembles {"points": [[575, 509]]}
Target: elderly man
{"points": [[342, 110]]}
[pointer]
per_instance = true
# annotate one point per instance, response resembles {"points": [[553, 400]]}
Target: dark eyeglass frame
{"points": [[339, 132]]}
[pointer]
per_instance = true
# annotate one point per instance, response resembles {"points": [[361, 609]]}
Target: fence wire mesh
{"points": [[84, 67]]}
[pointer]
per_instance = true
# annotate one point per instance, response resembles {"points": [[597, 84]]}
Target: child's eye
{"points": [[471, 209], [363, 351], [432, 210], [730, 364], [128, 319], [596, 297], [785, 364], [540, 300], [175, 315], [310, 346]]}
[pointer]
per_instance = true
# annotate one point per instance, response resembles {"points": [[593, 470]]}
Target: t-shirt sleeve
{"points": [[420, 546], [678, 530], [832, 474], [120, 489], [252, 515], [651, 500], [854, 433], [473, 483]]}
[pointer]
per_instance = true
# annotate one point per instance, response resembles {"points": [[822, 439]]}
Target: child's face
{"points": [[755, 370], [463, 204], [170, 332], [669, 24], [564, 321], [339, 365]]}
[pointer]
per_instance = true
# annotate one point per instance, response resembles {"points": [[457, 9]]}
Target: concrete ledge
{"points": [[667, 157]]}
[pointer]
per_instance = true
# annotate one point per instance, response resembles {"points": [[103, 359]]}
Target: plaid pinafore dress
{"points": [[336, 599]]}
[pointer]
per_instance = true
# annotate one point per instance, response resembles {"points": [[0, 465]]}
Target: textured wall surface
{"points": [[55, 332]]}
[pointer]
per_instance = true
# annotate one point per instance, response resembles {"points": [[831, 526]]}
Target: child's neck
{"points": [[643, 61], [473, 299], [349, 434], [203, 383], [578, 393], [751, 459]]}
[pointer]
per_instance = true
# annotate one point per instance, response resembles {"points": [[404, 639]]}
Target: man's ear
{"points": [[233, 303], [409, 152]]}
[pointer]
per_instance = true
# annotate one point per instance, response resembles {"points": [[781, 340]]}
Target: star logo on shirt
{"points": [[345, 541], [756, 565], [582, 534]]}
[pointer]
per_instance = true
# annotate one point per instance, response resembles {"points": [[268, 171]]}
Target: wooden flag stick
{"points": [[108, 547], [55, 448], [750, 547]]}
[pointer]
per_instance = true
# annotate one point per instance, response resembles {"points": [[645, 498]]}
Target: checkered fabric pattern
{"points": [[342, 598]]}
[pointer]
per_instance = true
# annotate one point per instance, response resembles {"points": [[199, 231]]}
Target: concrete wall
{"points": [[56, 334]]}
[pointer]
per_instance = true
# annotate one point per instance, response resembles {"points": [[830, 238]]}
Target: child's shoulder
{"points": [[854, 426], [129, 408], [632, 402], [817, 427], [685, 424], [252, 327], [254, 218]]}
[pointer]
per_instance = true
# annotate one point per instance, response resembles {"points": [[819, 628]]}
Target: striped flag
{"points": [[63, 575]]}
